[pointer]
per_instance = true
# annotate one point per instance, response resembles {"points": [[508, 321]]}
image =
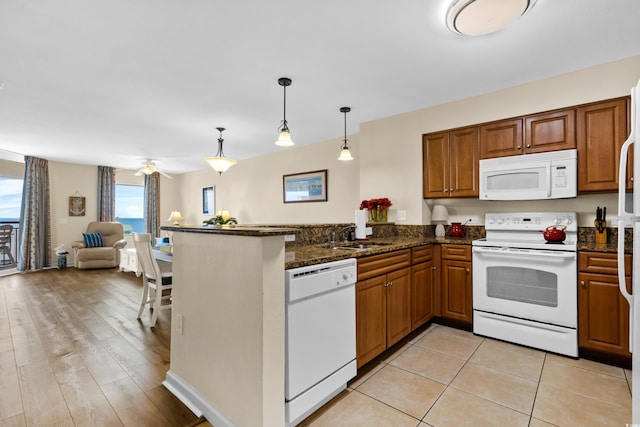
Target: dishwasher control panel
{"points": [[306, 282]]}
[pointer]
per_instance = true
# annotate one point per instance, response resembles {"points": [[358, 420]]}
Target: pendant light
{"points": [[345, 154], [284, 139], [220, 163]]}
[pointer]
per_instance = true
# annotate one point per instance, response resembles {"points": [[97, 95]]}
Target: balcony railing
{"points": [[5, 259]]}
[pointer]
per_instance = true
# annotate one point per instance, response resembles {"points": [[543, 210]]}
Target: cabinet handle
{"points": [[528, 145], [519, 147], [582, 283], [446, 190], [631, 179], [468, 271], [433, 268]]}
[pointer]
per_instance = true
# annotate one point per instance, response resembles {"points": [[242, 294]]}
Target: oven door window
{"points": [[521, 284]]}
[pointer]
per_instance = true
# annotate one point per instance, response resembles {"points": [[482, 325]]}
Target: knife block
{"points": [[601, 238]]}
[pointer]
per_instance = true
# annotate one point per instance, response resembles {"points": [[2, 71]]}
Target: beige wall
{"points": [[395, 142], [252, 190]]}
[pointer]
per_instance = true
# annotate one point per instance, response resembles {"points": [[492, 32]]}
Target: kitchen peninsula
{"points": [[228, 324]]}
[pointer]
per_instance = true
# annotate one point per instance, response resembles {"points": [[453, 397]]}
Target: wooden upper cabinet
{"points": [[435, 165], [501, 139], [450, 163], [551, 131], [602, 129], [537, 133], [464, 162]]}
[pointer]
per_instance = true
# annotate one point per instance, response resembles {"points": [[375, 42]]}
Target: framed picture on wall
{"points": [[305, 187], [76, 205], [208, 200]]}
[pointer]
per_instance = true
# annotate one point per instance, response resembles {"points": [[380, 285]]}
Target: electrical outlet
{"points": [[179, 323], [472, 220], [401, 215]]}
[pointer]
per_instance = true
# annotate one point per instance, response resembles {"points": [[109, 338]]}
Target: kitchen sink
{"points": [[359, 245]]}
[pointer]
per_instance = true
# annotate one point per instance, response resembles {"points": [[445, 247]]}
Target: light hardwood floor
{"points": [[73, 353]]}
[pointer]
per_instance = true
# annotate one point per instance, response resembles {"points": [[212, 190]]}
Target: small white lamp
{"points": [[176, 217], [439, 214]]}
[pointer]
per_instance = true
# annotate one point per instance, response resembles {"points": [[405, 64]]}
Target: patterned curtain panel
{"points": [[152, 204], [106, 193], [35, 216]]}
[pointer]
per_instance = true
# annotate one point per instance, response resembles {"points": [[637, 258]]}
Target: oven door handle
{"points": [[524, 253]]}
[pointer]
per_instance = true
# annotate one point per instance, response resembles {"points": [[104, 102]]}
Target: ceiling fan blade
{"points": [[162, 173]]}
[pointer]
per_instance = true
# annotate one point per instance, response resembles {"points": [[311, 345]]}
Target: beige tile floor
{"points": [[448, 377]]}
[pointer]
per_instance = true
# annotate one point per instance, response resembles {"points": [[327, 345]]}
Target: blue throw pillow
{"points": [[93, 240]]}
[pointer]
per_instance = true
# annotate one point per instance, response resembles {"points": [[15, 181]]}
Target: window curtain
{"points": [[106, 193], [35, 216], [152, 204]]}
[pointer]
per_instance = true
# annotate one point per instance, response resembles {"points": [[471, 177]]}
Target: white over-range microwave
{"points": [[552, 175]]}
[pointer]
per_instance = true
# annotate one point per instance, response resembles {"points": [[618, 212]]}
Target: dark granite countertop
{"points": [[300, 256], [239, 230]]}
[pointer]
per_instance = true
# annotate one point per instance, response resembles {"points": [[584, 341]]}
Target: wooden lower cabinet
{"points": [[425, 284], [603, 313], [383, 313], [457, 291], [371, 318]]}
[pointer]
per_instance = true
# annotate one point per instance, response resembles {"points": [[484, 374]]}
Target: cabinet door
{"points": [[435, 165], [550, 131], [602, 129], [371, 318], [422, 293], [456, 290], [464, 152], [603, 314], [398, 305], [500, 139]]}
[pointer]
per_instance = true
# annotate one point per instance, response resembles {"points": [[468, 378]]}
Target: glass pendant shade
{"points": [[345, 155], [284, 139], [220, 163]]}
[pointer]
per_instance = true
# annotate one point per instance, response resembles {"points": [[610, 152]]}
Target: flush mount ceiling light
{"points": [[478, 17], [220, 163], [345, 154], [284, 139]]}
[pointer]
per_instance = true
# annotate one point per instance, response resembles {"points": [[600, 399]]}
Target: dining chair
{"points": [[155, 280], [5, 243]]}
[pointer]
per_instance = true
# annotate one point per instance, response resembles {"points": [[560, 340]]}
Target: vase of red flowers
{"points": [[378, 208]]}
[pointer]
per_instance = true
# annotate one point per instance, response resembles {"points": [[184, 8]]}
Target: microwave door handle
{"points": [[548, 179]]}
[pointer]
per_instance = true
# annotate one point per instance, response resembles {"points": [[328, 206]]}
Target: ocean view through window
{"points": [[10, 199], [130, 207]]}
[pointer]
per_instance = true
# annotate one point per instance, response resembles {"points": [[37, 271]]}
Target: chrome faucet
{"points": [[337, 232]]}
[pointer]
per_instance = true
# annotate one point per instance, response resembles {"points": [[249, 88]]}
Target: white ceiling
{"points": [[114, 82]]}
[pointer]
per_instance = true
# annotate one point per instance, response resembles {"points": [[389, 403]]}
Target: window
{"points": [[130, 207], [10, 199]]}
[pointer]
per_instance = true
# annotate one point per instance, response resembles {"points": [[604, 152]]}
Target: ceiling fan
{"points": [[149, 167]]}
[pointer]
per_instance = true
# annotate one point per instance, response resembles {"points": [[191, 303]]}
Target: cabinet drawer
{"points": [[421, 254], [456, 252], [376, 265], [601, 262]]}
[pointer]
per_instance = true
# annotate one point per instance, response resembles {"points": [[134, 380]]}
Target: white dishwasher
{"points": [[320, 335]]}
